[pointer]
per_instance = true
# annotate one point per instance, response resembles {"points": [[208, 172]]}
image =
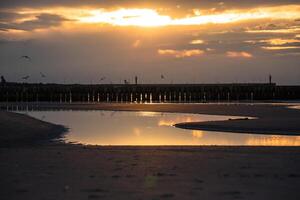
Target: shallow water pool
{"points": [[149, 128]]}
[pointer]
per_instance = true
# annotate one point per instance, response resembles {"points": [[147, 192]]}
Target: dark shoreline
{"points": [[234, 127], [20, 129]]}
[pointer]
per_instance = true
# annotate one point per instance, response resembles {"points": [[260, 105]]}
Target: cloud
{"points": [[280, 30], [180, 53], [9, 16], [159, 16], [279, 41], [117, 51], [40, 21], [152, 17], [182, 4], [280, 47], [236, 54], [281, 27], [289, 54], [197, 42]]}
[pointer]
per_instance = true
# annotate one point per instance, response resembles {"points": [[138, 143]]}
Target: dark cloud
{"points": [[9, 16], [40, 21], [109, 51]]}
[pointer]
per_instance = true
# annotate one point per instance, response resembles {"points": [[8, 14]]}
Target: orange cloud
{"points": [[286, 30], [147, 17], [236, 54], [279, 41], [151, 17], [281, 48], [196, 42], [180, 53]]}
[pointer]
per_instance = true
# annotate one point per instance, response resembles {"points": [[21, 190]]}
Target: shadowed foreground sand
{"points": [[64, 171], [78, 172]]}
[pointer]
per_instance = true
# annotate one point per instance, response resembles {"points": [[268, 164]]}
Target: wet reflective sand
{"points": [[150, 128]]}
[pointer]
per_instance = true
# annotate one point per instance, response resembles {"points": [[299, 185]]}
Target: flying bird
{"points": [[42, 75], [162, 76], [25, 77], [26, 57], [102, 78]]}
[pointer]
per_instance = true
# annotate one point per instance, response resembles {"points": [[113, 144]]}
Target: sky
{"points": [[186, 41]]}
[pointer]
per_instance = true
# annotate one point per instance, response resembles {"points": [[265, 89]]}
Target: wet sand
{"points": [[19, 129], [78, 172], [66, 171]]}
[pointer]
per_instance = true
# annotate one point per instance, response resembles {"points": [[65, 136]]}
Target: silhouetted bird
{"points": [[3, 81], [162, 76], [102, 78], [26, 57], [25, 77], [42, 75]]}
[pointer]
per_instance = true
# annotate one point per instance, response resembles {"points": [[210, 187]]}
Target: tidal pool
{"points": [[149, 128]]}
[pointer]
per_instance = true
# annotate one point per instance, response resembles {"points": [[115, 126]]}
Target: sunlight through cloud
{"points": [[242, 54], [180, 53], [150, 17]]}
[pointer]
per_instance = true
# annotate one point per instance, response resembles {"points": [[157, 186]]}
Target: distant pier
{"points": [[146, 93]]}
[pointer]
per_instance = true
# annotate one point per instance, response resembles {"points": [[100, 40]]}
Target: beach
{"points": [[54, 170]]}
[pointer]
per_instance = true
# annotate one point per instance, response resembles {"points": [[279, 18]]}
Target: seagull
{"points": [[25, 77], [102, 78], [162, 76], [26, 57], [42, 75]]}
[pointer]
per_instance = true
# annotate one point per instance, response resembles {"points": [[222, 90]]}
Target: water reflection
{"points": [[295, 107], [150, 128], [197, 134], [274, 140]]}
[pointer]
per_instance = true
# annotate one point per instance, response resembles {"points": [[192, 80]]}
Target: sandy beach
{"points": [[51, 170], [19, 129], [78, 172]]}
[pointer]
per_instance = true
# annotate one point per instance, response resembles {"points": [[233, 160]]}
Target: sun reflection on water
{"points": [[197, 134], [150, 128], [274, 140]]}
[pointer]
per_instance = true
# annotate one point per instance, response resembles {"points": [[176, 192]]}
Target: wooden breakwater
{"points": [[24, 92]]}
